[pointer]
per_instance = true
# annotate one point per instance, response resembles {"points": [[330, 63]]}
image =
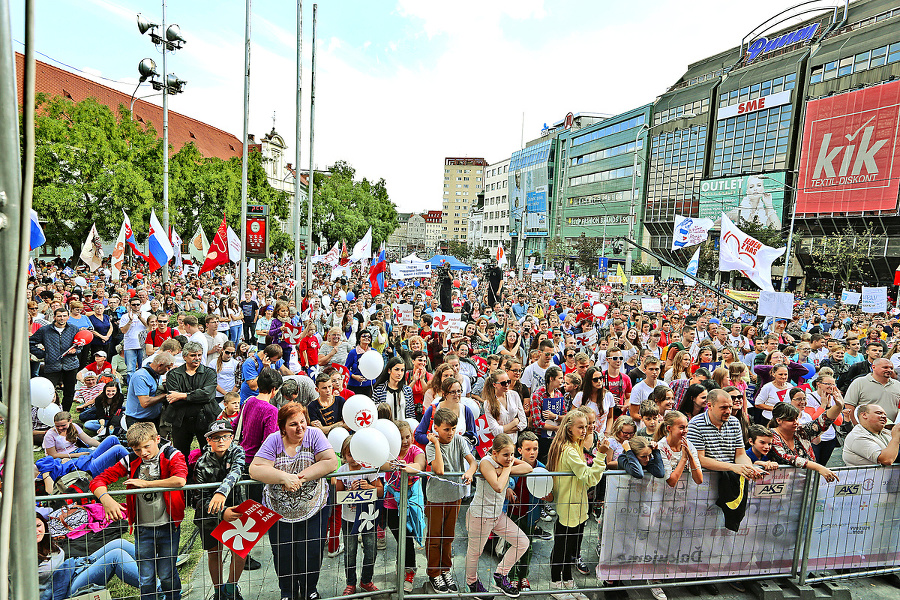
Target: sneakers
{"points": [[542, 534], [582, 566], [381, 541], [368, 587], [451, 583], [545, 516], [478, 588], [561, 594], [505, 585], [658, 594], [570, 585], [409, 582], [551, 511], [524, 585], [349, 590], [252, 564], [439, 585], [337, 552]]}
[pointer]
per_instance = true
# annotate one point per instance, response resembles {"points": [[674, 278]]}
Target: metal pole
{"points": [[522, 219], [165, 95], [18, 565], [312, 137], [242, 272], [787, 258], [403, 506], [631, 208], [296, 232]]}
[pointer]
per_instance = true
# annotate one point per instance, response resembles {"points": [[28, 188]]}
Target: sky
{"points": [[401, 84]]}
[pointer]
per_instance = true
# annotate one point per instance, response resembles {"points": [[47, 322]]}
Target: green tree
{"points": [[842, 255], [588, 249], [460, 250], [90, 165], [481, 253], [639, 268]]}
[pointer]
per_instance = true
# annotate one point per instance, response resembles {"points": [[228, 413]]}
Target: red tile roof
{"points": [[210, 141]]}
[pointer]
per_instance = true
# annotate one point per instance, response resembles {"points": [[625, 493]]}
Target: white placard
{"points": [[874, 299], [410, 270], [446, 322], [403, 315], [776, 304], [550, 275], [651, 305], [850, 297]]}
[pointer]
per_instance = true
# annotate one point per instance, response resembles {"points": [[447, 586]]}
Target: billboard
{"points": [[745, 197], [529, 189], [850, 158]]}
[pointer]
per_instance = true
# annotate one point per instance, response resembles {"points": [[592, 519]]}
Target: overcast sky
{"points": [[403, 83]]}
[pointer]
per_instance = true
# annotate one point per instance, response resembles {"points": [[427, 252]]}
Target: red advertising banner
{"points": [[850, 160], [257, 237], [243, 533]]}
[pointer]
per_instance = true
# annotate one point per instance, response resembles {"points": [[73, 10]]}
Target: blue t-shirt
{"points": [[251, 369], [142, 383]]}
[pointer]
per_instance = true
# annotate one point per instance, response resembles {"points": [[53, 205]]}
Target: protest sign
{"points": [[243, 533]]}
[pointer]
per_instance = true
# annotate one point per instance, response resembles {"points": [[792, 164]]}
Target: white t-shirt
{"points": [[200, 337], [132, 339], [813, 401], [769, 394], [602, 412], [642, 390], [533, 376], [63, 446], [487, 503], [671, 458]]}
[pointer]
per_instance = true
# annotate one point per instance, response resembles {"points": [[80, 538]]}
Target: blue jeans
{"points": [[108, 453], [351, 542], [234, 333], [157, 553], [133, 359], [297, 549], [115, 558]]}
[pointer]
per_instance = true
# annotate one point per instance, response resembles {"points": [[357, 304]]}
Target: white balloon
{"points": [[473, 406], [359, 412], [336, 438], [326, 300], [47, 414], [80, 281], [370, 448], [539, 485], [599, 310], [371, 364], [43, 392], [391, 434], [413, 424]]}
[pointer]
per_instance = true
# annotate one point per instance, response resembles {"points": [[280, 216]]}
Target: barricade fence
{"points": [[632, 534]]}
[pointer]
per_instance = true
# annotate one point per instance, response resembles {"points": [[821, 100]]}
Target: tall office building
{"points": [[463, 181], [495, 228]]}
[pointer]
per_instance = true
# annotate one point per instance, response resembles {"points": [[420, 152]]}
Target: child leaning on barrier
{"points": [[570, 492], [524, 509], [222, 462], [761, 447], [157, 515], [486, 516]]}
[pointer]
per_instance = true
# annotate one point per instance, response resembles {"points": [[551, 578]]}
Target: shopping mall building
{"points": [[796, 126]]}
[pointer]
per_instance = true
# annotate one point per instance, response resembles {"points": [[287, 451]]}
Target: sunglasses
{"points": [[737, 397], [596, 379], [516, 370], [228, 352], [504, 383], [614, 358], [570, 356]]}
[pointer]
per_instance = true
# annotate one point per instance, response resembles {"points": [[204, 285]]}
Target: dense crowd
{"points": [[569, 374]]}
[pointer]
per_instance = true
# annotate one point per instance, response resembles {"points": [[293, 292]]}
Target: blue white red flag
{"points": [[37, 232], [376, 272], [160, 249]]}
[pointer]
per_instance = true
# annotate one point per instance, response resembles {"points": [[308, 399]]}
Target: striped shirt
{"points": [[719, 444]]}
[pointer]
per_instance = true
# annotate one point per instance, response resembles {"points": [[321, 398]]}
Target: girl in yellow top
{"points": [[566, 454]]}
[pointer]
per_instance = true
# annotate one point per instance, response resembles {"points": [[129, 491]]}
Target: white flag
{"points": [[198, 246], [176, 245], [740, 252], [692, 268], [363, 248], [118, 255], [92, 251], [234, 245], [690, 231], [501, 256]]}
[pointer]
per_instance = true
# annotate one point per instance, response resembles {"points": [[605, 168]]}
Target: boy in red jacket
{"points": [[157, 515]]}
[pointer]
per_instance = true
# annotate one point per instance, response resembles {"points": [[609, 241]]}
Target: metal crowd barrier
{"points": [[648, 535]]}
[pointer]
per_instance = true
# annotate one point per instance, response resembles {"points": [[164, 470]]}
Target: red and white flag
{"points": [[501, 256], [218, 250]]}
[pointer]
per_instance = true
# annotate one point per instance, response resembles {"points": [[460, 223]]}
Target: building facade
{"points": [[463, 181], [398, 240], [495, 228], [434, 230], [416, 235]]}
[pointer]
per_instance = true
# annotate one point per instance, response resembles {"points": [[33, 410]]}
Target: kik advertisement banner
{"points": [[850, 158], [653, 531], [747, 197]]}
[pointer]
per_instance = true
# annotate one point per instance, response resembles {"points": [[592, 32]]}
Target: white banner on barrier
{"points": [[410, 270], [855, 520], [653, 531]]}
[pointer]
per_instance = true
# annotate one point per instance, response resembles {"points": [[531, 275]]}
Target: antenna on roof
{"points": [[273, 120]]}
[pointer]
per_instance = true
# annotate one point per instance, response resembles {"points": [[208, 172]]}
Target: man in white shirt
{"points": [[738, 341], [870, 442], [533, 376], [215, 339], [641, 391], [133, 323], [193, 333]]}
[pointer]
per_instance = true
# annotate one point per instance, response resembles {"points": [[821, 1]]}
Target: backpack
{"points": [[76, 482]]}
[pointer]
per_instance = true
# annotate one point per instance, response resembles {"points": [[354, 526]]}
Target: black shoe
{"points": [[252, 564], [582, 566], [542, 534], [711, 589], [737, 586]]}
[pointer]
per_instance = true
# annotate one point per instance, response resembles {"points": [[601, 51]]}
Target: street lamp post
{"points": [[170, 84], [787, 257]]}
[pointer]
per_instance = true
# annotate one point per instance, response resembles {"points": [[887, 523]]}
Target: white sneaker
{"points": [[337, 552], [658, 594], [570, 585], [561, 595]]}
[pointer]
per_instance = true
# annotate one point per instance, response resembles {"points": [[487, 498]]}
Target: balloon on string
{"points": [[43, 392], [326, 300], [456, 283], [139, 276], [539, 485], [562, 317], [336, 438], [473, 406], [552, 302], [427, 292], [413, 424], [401, 283], [359, 412], [83, 337], [391, 434], [48, 413], [371, 364], [351, 296], [80, 281], [810, 370], [416, 283], [475, 284], [599, 310], [370, 448]]}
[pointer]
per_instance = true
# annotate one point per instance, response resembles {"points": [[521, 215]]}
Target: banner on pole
{"points": [[874, 299], [410, 270], [850, 297]]}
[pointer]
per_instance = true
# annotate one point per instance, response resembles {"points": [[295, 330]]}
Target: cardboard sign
{"points": [[410, 270], [292, 334], [642, 279], [243, 533], [776, 304], [651, 305], [403, 314], [446, 322], [484, 436], [549, 275], [874, 299], [849, 297]]}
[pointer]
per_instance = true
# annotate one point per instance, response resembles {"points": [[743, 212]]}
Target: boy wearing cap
{"points": [[222, 461], [100, 367]]}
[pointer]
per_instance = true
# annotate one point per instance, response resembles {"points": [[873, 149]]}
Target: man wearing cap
{"points": [[870, 442], [101, 367]]}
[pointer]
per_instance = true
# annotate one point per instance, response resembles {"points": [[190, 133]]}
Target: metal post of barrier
{"points": [[802, 526], [813, 495], [402, 505]]}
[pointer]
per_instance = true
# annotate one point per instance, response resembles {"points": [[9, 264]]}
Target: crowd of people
{"points": [[190, 381]]}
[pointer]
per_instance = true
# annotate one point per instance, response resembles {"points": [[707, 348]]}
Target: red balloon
{"points": [[456, 283], [84, 337], [428, 293], [139, 276]]}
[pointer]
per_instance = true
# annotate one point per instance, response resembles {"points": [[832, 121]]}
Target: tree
{"points": [[90, 164], [639, 268], [842, 255], [459, 249], [481, 253], [588, 250], [557, 251]]}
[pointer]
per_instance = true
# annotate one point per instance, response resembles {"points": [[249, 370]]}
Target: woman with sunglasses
{"points": [[594, 395], [226, 367], [503, 407]]}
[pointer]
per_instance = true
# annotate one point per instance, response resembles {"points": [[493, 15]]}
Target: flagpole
{"points": [[297, 135], [242, 274], [311, 184]]}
